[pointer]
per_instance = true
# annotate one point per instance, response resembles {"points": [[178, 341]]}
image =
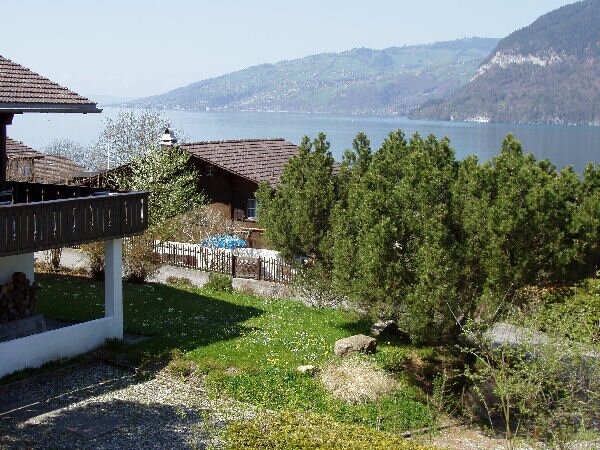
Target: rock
{"points": [[384, 327], [311, 370], [355, 344], [505, 334], [390, 329]]}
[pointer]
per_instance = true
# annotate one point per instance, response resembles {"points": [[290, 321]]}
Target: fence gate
{"points": [[246, 267]]}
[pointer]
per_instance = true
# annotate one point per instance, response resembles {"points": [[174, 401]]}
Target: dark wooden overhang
{"points": [[20, 108], [44, 216]]}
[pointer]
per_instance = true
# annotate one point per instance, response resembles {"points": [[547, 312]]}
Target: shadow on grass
{"points": [[361, 325], [173, 317]]}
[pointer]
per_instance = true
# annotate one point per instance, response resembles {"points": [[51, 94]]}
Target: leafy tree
{"points": [[128, 136], [70, 149], [173, 185], [296, 213], [165, 172]]}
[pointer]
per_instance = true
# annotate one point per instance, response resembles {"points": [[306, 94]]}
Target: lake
{"points": [[563, 145]]}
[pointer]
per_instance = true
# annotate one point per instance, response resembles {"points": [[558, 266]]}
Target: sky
{"points": [[135, 48]]}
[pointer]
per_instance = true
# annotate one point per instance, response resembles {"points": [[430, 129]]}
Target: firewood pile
{"points": [[17, 298]]}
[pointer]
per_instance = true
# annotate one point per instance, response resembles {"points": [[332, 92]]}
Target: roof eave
{"points": [[18, 108]]}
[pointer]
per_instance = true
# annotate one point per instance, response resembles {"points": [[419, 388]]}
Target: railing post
{"points": [[233, 263], [259, 268]]}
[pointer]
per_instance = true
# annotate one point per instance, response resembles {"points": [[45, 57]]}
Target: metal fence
{"points": [[209, 259]]}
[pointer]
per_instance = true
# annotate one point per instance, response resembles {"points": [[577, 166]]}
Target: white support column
{"points": [[113, 285], [16, 263]]}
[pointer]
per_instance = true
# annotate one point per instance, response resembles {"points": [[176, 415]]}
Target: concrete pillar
{"points": [[113, 285]]}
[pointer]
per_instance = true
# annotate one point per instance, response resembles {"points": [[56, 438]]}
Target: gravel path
{"points": [[101, 407]]}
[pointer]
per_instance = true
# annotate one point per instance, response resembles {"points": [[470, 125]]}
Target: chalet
{"points": [[20, 161], [41, 216], [232, 170], [27, 164]]}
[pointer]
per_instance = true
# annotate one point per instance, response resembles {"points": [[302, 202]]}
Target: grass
{"points": [[248, 346], [290, 430]]}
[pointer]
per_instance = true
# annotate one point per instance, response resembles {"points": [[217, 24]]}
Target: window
{"points": [[210, 171], [251, 209], [26, 171]]}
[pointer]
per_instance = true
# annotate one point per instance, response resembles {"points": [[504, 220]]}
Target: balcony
{"points": [[42, 216]]}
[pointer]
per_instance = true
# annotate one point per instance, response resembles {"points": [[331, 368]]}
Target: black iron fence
{"points": [[223, 261]]}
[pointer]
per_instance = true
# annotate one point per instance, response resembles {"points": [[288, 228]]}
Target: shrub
{"points": [[540, 383], [179, 366], [94, 254], [394, 359], [312, 285], [139, 260], [290, 430], [580, 303], [219, 282]]}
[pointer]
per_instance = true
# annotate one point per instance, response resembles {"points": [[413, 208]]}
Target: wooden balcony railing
{"points": [[50, 216], [24, 192]]}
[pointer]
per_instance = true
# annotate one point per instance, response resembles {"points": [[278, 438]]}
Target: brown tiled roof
{"points": [[18, 150], [56, 169], [255, 159], [22, 90]]}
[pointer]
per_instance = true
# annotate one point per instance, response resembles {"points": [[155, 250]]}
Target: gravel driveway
{"points": [[98, 406]]}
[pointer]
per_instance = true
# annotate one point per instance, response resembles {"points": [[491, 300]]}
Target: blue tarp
{"points": [[224, 241]]}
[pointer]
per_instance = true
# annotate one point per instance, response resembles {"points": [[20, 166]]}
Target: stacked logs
{"points": [[17, 298]]}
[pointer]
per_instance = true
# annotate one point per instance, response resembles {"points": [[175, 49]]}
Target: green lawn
{"points": [[248, 346]]}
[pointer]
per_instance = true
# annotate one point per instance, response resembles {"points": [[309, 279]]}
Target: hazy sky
{"points": [[136, 48]]}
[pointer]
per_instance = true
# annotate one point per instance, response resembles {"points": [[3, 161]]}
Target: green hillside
{"points": [[358, 81]]}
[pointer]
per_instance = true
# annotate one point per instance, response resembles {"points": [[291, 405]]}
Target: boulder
{"points": [[384, 327], [390, 329], [355, 344]]}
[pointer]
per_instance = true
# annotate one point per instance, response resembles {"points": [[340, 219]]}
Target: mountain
{"points": [[389, 81], [548, 73]]}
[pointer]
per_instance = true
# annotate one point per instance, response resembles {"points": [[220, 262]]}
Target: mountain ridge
{"points": [[545, 73], [357, 81]]}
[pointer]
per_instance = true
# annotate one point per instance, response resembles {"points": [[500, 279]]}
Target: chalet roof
{"points": [[18, 150], [255, 159], [56, 169], [47, 168], [22, 90]]}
